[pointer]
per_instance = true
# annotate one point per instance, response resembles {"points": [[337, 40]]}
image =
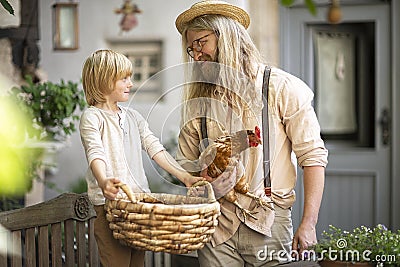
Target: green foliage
{"points": [[287, 2], [7, 6], [79, 186], [52, 106], [309, 3], [18, 162], [12, 196], [11, 203], [39, 111], [377, 245], [311, 7]]}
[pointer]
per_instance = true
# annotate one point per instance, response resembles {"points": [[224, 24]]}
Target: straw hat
{"points": [[213, 7]]}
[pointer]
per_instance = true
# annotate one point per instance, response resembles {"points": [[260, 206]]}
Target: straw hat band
{"points": [[212, 8]]}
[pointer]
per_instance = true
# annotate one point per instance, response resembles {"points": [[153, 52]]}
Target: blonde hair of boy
{"points": [[100, 72]]}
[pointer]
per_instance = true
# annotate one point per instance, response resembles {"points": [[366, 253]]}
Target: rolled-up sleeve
{"points": [[188, 147], [301, 123]]}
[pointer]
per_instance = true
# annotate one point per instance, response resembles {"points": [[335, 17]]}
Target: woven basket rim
{"points": [[164, 197], [167, 199]]}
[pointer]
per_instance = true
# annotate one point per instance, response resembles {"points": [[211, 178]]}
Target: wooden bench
{"points": [[58, 232]]}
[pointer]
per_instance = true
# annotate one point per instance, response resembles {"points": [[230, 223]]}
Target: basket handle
{"points": [[210, 190], [128, 191]]}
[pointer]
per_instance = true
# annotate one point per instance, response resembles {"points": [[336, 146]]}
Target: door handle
{"points": [[385, 126]]}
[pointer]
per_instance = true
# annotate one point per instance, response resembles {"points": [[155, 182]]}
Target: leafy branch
{"points": [[7, 6], [309, 3]]}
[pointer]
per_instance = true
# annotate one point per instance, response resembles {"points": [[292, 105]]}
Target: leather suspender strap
{"points": [[204, 134], [266, 161]]}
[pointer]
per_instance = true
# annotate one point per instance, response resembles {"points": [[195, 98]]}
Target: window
{"points": [[345, 82]]}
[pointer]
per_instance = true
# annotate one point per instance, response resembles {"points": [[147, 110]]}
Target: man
{"points": [[225, 77]]}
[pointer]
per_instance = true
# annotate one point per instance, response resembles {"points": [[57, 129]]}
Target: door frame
{"points": [[286, 55], [395, 21]]}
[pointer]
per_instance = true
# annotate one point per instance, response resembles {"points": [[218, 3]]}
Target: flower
{"points": [[377, 245]]}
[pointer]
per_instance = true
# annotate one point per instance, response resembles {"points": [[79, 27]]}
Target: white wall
{"points": [[97, 23]]}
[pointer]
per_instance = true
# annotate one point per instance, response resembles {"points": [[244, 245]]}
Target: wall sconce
{"points": [[65, 26]]}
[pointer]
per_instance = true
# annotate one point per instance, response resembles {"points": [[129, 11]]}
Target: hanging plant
{"points": [[7, 6]]}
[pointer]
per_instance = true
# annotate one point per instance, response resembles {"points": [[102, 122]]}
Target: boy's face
{"points": [[121, 90]]}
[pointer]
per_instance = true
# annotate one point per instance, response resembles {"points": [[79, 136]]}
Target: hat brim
{"points": [[212, 8]]}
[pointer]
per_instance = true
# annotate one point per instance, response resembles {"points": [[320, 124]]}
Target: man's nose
{"points": [[197, 55]]}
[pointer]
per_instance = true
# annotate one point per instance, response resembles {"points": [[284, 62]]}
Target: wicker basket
{"points": [[159, 222]]}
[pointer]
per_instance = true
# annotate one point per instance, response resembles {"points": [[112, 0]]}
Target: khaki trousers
{"points": [[112, 253], [250, 248]]}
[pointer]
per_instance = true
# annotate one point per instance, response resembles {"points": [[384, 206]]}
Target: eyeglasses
{"points": [[197, 45]]}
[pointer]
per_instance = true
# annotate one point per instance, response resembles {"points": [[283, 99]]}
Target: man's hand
{"points": [[304, 238], [223, 183]]}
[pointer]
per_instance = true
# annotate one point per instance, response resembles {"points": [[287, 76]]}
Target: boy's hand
{"points": [[109, 188], [189, 180]]}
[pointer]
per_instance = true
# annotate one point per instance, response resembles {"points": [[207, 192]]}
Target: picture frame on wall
{"points": [[65, 26]]}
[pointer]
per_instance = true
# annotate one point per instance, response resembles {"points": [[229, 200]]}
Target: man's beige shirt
{"points": [[293, 127]]}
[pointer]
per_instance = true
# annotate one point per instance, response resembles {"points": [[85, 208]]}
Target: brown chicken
{"points": [[224, 152]]}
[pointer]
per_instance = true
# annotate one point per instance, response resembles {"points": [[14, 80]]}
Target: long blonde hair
{"points": [[236, 68]]}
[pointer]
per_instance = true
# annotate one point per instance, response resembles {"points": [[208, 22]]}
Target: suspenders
{"points": [[266, 161]]}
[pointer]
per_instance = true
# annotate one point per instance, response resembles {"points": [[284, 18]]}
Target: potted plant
{"points": [[364, 246], [52, 107]]}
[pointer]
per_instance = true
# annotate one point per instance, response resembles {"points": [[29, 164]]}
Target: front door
{"points": [[348, 67]]}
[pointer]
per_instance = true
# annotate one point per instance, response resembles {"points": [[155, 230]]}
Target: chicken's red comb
{"points": [[257, 132]]}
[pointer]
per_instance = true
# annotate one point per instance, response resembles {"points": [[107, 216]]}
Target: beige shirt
{"points": [[293, 127], [118, 140]]}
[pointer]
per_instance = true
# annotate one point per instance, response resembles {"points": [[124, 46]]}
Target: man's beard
{"points": [[207, 70]]}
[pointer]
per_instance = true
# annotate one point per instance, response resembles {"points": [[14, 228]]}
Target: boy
{"points": [[112, 137]]}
